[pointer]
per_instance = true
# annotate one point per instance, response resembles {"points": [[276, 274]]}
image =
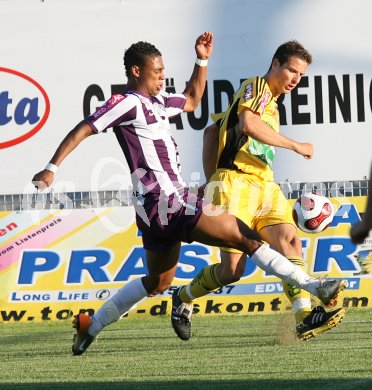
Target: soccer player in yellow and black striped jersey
{"points": [[241, 145]]}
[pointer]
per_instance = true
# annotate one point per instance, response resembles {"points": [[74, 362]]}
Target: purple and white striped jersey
{"points": [[143, 131]]}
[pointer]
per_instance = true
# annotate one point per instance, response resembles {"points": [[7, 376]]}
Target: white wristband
{"points": [[200, 62], [51, 167]]}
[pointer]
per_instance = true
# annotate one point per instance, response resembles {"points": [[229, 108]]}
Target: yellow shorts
{"points": [[257, 203]]}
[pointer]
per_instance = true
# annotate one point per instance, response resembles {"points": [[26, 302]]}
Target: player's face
{"points": [[151, 80], [288, 75]]}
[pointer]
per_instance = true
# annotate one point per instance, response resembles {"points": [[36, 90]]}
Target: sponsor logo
{"points": [[248, 92], [113, 101], [36, 296], [103, 294], [264, 100], [24, 107]]}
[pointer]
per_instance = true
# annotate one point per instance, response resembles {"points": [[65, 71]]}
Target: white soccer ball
{"points": [[312, 213]]}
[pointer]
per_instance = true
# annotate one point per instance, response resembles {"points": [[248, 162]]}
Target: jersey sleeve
{"points": [[116, 110], [254, 95], [173, 103]]}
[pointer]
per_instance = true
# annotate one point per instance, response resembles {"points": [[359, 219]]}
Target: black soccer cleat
{"points": [[82, 339], [318, 321], [181, 316], [328, 291]]}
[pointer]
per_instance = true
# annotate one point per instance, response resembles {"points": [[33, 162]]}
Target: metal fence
{"points": [[331, 189], [98, 199], [65, 200]]}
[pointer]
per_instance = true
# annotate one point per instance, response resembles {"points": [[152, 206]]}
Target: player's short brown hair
{"points": [[290, 49]]}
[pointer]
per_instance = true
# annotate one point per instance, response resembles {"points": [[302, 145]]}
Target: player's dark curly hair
{"points": [[137, 53], [291, 49]]}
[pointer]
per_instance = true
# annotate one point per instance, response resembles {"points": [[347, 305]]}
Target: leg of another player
{"points": [[232, 267], [310, 322], [225, 230], [161, 270], [220, 230], [284, 238], [214, 276]]}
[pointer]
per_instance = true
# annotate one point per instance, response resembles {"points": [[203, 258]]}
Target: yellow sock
{"points": [[204, 283], [300, 299]]}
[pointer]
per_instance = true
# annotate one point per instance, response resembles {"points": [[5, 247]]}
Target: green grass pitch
{"points": [[234, 352]]}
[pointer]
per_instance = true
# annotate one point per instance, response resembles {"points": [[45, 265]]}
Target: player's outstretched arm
{"points": [[45, 177], [196, 85], [251, 124], [360, 230]]}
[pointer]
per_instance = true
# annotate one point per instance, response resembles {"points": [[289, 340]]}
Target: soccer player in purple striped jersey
{"points": [[167, 213]]}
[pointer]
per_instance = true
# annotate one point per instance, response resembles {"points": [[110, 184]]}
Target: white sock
{"points": [[118, 305], [300, 304], [278, 265]]}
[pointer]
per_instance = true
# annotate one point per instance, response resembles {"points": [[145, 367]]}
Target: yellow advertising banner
{"points": [[57, 263]]}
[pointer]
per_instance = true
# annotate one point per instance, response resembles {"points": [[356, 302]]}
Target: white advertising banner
{"points": [[60, 59]]}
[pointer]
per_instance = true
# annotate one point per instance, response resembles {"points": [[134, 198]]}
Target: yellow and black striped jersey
{"points": [[237, 150]]}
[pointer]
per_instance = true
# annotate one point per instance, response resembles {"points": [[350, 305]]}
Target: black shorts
{"points": [[166, 220]]}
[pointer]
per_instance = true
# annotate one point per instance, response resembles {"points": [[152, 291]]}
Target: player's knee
{"points": [[230, 274], [155, 286], [230, 278], [297, 244], [294, 242], [289, 242], [160, 288]]}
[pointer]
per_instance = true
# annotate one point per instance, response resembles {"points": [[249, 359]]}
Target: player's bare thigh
{"points": [[217, 228]]}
